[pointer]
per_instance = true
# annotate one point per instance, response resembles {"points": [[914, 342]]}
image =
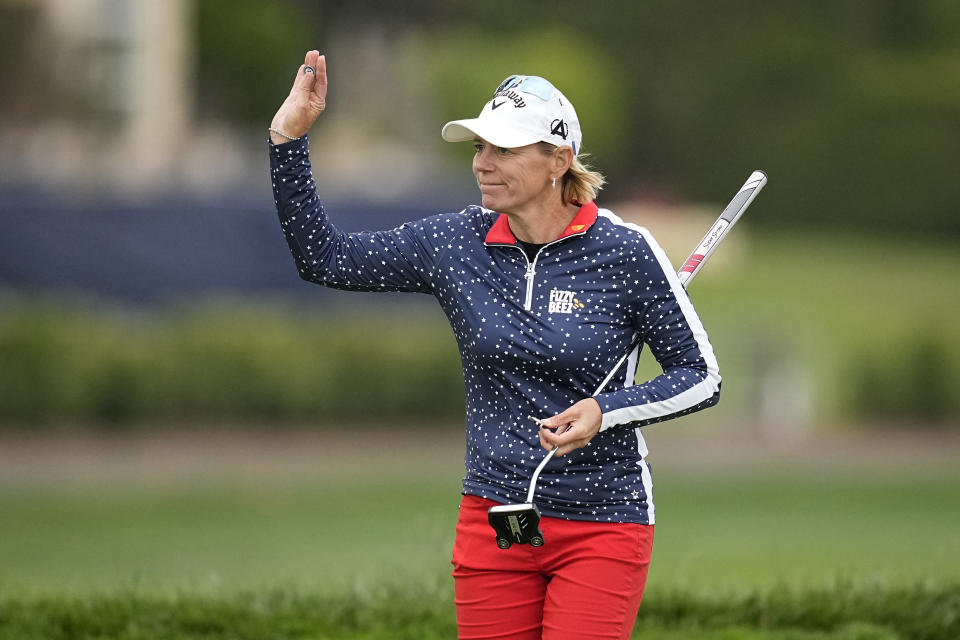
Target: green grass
{"points": [[328, 537], [755, 556], [805, 529], [745, 532]]}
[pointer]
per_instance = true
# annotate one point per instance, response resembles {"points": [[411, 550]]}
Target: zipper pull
{"points": [[529, 274]]}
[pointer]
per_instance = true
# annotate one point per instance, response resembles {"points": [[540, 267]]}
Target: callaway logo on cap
{"points": [[523, 110]]}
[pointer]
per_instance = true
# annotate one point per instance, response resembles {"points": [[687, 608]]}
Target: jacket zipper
{"points": [[528, 300], [531, 270]]}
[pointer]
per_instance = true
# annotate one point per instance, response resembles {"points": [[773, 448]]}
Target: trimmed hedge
{"points": [[66, 364], [59, 364]]}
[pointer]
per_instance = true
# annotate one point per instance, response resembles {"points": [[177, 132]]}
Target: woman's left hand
{"points": [[574, 428]]}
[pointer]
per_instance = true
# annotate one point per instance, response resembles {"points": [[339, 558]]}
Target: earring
{"points": [[554, 183]]}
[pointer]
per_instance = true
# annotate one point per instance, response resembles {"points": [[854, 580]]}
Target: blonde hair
{"points": [[580, 184]]}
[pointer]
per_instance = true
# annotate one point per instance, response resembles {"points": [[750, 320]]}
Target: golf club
{"points": [[520, 523]]}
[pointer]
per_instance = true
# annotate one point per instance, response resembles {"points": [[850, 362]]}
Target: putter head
{"points": [[516, 523]]}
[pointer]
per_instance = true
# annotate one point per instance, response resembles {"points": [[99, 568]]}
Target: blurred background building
{"points": [[100, 92]]}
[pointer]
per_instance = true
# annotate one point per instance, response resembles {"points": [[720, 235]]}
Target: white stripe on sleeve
{"points": [[701, 391]]}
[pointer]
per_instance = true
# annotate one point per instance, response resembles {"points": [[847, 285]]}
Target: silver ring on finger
{"points": [[309, 69]]}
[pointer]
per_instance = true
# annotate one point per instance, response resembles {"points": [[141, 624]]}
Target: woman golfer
{"points": [[545, 293]]}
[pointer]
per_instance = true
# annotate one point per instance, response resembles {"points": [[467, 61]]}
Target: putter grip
{"points": [[719, 230]]}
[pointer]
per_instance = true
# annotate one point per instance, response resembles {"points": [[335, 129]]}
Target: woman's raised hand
{"points": [[306, 101]]}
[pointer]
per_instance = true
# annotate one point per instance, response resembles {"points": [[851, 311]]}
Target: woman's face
{"points": [[510, 179]]}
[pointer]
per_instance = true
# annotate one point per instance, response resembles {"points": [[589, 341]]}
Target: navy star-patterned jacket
{"points": [[534, 336]]}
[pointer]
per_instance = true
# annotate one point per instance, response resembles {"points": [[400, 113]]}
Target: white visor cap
{"points": [[524, 110]]}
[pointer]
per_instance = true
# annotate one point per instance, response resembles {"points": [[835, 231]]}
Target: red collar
{"points": [[500, 232]]}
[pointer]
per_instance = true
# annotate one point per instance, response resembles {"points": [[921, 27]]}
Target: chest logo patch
{"points": [[563, 302]]}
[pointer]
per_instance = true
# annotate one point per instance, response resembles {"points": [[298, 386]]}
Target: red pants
{"points": [[586, 581]]}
